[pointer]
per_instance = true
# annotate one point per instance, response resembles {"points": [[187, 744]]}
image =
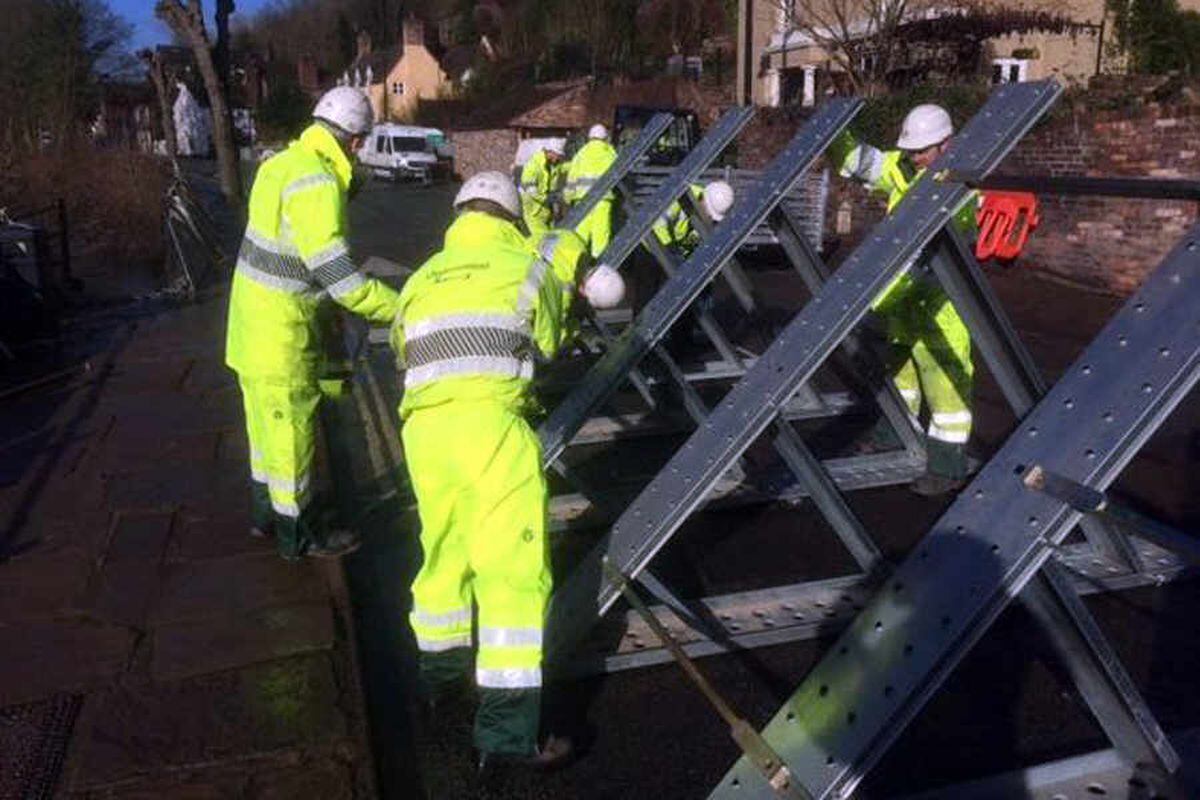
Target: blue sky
{"points": [[148, 31]]}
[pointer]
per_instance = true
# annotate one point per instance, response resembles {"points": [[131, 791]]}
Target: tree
{"points": [[56, 52], [681, 25], [869, 40], [164, 81], [187, 22], [1158, 36]]}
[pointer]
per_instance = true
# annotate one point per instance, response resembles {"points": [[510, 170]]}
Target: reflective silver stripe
{"points": [[296, 486], [305, 183], [512, 678], [280, 247], [865, 163], [290, 285], [943, 435], [442, 645], [331, 253], [346, 285], [910, 394], [952, 417], [331, 272], [507, 322], [286, 509], [474, 365], [257, 474], [272, 263], [442, 619], [510, 637]]}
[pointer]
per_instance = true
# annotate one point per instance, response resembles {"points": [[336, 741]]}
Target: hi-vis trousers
{"points": [[281, 428], [477, 473], [931, 362]]}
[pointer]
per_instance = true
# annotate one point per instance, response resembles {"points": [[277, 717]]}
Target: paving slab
{"points": [[197, 722], [139, 536], [200, 537], [169, 486], [130, 447], [231, 586], [184, 649], [42, 658], [41, 586], [122, 592]]}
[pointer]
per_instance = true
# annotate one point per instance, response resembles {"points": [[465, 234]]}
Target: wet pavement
{"points": [[151, 647]]}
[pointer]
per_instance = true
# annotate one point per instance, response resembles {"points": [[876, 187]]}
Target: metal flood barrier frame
{"points": [[754, 403], [685, 279]]}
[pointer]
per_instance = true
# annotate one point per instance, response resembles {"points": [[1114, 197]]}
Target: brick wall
{"points": [[1110, 244], [475, 151]]}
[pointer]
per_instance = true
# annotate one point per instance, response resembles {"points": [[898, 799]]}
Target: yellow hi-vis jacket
{"points": [[476, 315], [890, 174], [674, 227], [539, 180], [587, 167], [294, 255]]}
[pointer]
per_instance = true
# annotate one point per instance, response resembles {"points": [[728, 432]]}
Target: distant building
{"points": [[397, 78], [793, 67]]}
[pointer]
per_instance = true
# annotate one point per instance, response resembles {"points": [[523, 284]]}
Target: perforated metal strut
{"points": [[682, 290], [807, 342], [992, 540]]}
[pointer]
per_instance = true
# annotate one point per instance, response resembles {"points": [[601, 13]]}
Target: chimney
{"points": [[413, 32], [306, 73]]}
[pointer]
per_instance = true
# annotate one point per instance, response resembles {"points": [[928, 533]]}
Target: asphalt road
{"points": [[647, 733]]}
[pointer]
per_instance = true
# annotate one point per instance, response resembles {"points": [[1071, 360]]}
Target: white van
{"points": [[402, 151]]}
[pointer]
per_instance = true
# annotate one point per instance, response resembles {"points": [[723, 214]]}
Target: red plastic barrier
{"points": [[1005, 221]]}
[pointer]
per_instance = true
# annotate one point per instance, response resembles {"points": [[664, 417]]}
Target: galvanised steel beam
{"points": [[992, 542], [792, 359], [994, 337], [820, 608], [627, 160], [681, 291], [639, 223]]}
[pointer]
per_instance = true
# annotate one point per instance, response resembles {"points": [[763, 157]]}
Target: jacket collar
{"points": [[476, 229], [317, 139]]}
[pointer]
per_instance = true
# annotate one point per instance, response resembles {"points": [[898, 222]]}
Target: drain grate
{"points": [[33, 743]]}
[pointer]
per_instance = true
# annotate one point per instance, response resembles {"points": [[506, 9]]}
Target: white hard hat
{"points": [[603, 287], [556, 146], [925, 126], [718, 199], [494, 186], [597, 131], [346, 108]]}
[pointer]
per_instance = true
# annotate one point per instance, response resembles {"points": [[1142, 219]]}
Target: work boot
{"points": [[334, 544], [932, 485], [555, 752], [262, 531]]}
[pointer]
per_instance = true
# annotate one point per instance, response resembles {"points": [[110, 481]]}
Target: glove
{"points": [[603, 287]]}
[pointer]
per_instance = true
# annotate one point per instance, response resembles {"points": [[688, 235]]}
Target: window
{"points": [[1010, 70], [398, 88], [408, 144]]}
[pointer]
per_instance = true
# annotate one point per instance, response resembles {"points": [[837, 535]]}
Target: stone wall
{"points": [[1105, 243], [475, 151]]}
